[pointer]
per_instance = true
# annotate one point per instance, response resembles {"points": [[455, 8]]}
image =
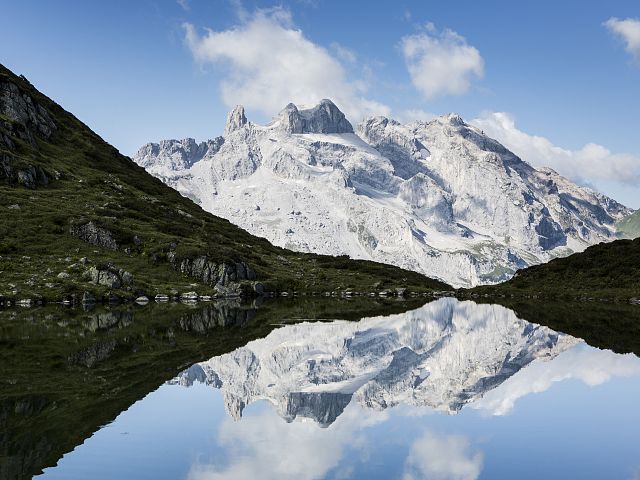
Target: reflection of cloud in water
{"points": [[263, 446], [442, 457], [590, 365]]}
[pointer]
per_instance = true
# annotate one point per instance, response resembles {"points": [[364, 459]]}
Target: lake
{"points": [[310, 389]]}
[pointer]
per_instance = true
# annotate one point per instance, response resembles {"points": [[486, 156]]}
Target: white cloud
{"points": [[265, 446], [588, 364], [629, 30], [592, 162], [343, 53], [271, 63], [437, 456], [441, 63], [184, 4]]}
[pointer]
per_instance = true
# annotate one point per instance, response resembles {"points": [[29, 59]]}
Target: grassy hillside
{"points": [[607, 270], [70, 202], [629, 227]]}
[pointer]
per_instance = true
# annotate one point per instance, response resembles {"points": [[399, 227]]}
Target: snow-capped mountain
{"points": [[437, 197], [443, 355]]}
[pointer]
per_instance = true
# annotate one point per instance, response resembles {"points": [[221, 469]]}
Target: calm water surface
{"points": [[451, 390]]}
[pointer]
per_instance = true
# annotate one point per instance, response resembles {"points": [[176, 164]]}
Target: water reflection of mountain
{"points": [[443, 355]]}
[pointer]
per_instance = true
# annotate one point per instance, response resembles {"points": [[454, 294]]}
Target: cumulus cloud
{"points": [[440, 457], [629, 31], [590, 365], [269, 63], [441, 63], [593, 162], [265, 446]]}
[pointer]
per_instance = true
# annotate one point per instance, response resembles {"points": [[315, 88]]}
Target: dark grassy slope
{"points": [[607, 325], [64, 372], [607, 270], [56, 176]]}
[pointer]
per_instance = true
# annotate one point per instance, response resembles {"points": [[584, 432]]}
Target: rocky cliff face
{"points": [[443, 355], [22, 119], [436, 197]]}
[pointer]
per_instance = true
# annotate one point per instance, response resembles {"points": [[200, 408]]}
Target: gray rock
{"points": [[95, 235], [258, 288], [19, 107], [142, 300], [189, 297], [214, 274], [63, 275], [235, 120], [323, 118], [125, 277], [110, 276]]}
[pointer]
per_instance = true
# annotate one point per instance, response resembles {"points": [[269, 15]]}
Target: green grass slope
{"points": [[607, 270], [56, 175], [629, 227]]}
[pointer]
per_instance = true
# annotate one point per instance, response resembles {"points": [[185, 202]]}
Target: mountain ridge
{"points": [[435, 197]]}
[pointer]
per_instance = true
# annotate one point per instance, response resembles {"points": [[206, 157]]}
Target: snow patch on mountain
{"points": [[437, 197]]}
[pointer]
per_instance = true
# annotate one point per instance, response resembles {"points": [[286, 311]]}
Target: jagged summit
{"points": [[235, 120], [325, 117]]}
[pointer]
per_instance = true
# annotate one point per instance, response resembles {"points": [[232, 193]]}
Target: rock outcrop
{"points": [[91, 233], [235, 120], [222, 274], [20, 108], [323, 118], [110, 276], [26, 120]]}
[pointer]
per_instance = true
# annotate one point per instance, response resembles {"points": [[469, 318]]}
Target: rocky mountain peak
{"points": [[325, 117], [453, 119], [235, 120]]}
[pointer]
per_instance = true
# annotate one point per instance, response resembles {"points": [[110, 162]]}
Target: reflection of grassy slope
{"points": [[609, 326], [50, 400], [146, 218], [606, 270], [629, 227]]}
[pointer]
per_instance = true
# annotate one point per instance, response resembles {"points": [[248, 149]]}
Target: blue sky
{"points": [[552, 80]]}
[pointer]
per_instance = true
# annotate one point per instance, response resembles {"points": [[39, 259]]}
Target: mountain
{"points": [[438, 197], [629, 226], [76, 215], [607, 270], [443, 355]]}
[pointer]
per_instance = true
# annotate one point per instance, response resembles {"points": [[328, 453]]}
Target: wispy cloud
{"points": [[269, 62], [441, 63], [590, 163], [628, 30]]}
